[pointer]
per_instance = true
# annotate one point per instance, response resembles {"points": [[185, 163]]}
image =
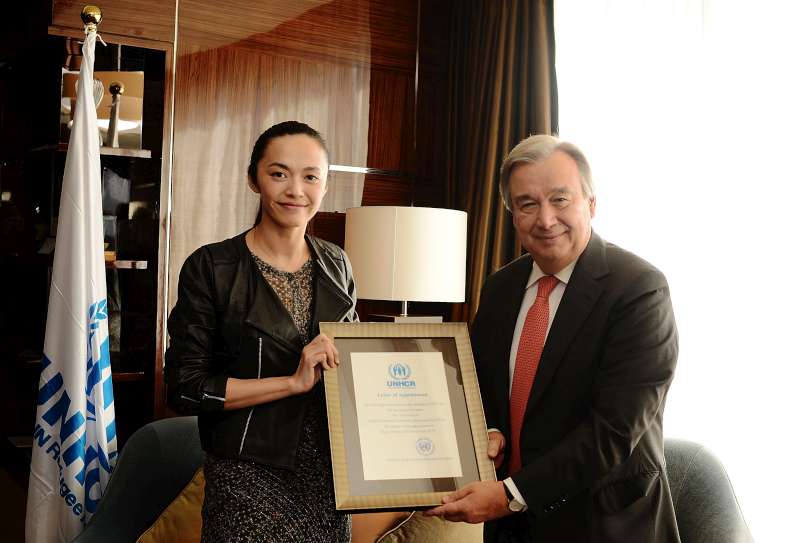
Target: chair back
{"points": [[705, 504], [155, 465]]}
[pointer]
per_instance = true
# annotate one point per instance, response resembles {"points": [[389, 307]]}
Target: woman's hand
{"points": [[318, 355]]}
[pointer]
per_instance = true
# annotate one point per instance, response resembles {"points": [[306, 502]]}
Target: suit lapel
{"points": [[580, 297]]}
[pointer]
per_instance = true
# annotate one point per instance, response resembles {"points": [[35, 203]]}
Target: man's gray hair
{"points": [[537, 148]]}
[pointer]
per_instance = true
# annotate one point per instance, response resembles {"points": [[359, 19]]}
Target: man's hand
{"points": [[476, 502], [497, 446]]}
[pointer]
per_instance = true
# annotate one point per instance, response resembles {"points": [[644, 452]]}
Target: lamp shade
{"points": [[407, 253]]}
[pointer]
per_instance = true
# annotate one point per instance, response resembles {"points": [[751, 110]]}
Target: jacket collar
{"points": [[331, 299], [268, 314]]}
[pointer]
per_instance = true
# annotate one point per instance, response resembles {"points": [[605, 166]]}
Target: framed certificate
{"points": [[405, 416]]}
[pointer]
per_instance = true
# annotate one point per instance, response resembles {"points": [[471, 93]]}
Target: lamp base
{"points": [[406, 319]]}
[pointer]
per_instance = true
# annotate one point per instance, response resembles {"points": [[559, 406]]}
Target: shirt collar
{"points": [[563, 275]]}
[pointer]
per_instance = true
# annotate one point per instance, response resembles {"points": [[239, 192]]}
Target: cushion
{"points": [[181, 520], [422, 529]]}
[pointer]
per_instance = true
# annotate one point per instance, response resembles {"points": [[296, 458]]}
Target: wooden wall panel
{"points": [[367, 32], [150, 19], [391, 119], [388, 191], [347, 67], [224, 99], [329, 226], [432, 110], [307, 60]]}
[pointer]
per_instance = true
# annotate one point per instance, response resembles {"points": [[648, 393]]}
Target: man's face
{"points": [[551, 214]]}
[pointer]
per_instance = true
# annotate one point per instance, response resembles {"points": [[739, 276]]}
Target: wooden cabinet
{"points": [[134, 179], [31, 170]]}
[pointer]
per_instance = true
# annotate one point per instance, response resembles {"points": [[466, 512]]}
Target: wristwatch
{"points": [[513, 505]]}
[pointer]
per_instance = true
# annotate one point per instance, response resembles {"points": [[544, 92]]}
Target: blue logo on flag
{"points": [[70, 435]]}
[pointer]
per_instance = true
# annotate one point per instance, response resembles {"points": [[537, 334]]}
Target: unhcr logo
{"points": [[398, 370], [400, 376], [425, 446]]}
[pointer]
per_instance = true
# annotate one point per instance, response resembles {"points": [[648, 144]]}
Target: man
{"points": [[575, 346]]}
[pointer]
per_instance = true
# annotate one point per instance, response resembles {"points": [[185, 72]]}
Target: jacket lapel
{"points": [[267, 313], [331, 303], [580, 297]]}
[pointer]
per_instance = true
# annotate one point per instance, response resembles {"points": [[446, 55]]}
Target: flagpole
{"points": [[74, 439]]}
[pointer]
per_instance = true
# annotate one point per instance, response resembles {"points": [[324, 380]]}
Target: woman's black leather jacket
{"points": [[228, 322]]}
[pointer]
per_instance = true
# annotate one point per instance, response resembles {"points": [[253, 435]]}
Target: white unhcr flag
{"points": [[74, 443]]}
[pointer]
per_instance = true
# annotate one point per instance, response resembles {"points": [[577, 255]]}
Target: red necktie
{"points": [[531, 343]]}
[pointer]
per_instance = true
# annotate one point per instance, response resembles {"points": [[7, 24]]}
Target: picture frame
{"points": [[395, 445]]}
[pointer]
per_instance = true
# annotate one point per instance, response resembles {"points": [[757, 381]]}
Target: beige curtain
{"points": [[502, 88], [227, 97]]}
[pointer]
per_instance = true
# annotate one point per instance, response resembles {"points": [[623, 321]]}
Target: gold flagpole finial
{"points": [[91, 17]]}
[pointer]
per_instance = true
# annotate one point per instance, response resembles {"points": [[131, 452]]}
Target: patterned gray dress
{"points": [[250, 502]]}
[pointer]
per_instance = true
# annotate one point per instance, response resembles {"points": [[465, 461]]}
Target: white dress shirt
{"points": [[527, 301]]}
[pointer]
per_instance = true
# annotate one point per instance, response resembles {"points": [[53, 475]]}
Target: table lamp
{"points": [[407, 254]]}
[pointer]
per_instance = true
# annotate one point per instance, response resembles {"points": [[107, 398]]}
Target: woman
{"points": [[244, 355]]}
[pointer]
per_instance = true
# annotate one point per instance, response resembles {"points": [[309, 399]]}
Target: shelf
{"points": [[127, 264], [108, 151], [21, 442], [127, 376], [116, 376], [117, 151], [47, 260]]}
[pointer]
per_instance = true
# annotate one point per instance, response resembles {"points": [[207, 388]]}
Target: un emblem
{"points": [[399, 371], [425, 446]]}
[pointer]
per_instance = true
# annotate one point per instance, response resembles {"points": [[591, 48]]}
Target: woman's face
{"points": [[292, 178]]}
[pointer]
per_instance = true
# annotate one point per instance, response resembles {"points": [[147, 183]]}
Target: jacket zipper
{"points": [[250, 414]]}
